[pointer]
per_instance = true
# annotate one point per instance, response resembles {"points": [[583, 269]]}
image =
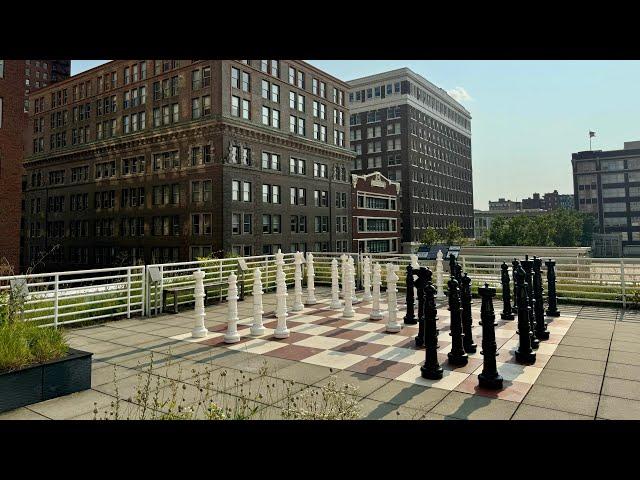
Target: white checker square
{"points": [[323, 343], [257, 345], [363, 326], [449, 380], [186, 337], [516, 372], [332, 359], [399, 354], [380, 338], [311, 329]]}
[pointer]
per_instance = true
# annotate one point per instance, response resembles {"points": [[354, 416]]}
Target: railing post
{"points": [[155, 309], [56, 300], [143, 291], [128, 292], [622, 284]]}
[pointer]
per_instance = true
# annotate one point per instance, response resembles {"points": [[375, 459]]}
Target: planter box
{"points": [[44, 381]]}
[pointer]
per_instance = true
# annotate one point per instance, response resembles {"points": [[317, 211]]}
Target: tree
{"points": [[430, 236], [454, 235]]}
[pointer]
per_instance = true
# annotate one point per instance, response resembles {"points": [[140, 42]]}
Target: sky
{"points": [[528, 117]]}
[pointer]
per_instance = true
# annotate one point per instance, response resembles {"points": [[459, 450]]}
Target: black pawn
{"points": [[424, 276], [452, 265], [409, 318], [459, 273], [524, 353], [515, 264], [467, 319], [489, 378], [527, 265], [457, 355], [541, 326], [552, 311], [507, 313], [431, 368]]}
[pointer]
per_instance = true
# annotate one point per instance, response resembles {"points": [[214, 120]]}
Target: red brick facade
{"points": [[12, 127]]}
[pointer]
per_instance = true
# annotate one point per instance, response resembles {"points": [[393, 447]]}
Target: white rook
{"points": [[348, 304], [392, 299], [232, 335], [311, 289], [439, 271], [199, 330], [297, 288], [352, 269], [376, 314], [257, 328], [367, 280], [281, 304], [335, 287]]}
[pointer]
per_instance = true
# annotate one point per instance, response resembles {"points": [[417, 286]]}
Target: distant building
{"points": [[502, 205], [533, 203], [375, 213], [607, 184], [40, 73], [566, 201], [483, 219]]}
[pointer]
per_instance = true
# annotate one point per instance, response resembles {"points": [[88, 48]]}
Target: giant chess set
{"points": [[448, 343]]}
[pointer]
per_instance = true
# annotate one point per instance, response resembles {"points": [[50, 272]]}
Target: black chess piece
{"points": [[524, 353], [515, 264], [489, 378], [424, 276], [527, 265], [459, 273], [541, 326], [409, 318], [467, 319], [507, 313], [457, 355], [431, 368], [452, 265], [552, 311]]}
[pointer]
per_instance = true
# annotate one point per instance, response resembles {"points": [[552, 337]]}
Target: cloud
{"points": [[459, 94]]}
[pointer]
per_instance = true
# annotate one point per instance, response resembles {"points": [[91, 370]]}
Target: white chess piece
{"points": [[348, 304], [281, 304], [297, 289], [199, 330], [232, 335], [335, 286], [257, 328], [392, 299], [352, 267], [311, 289], [343, 259], [416, 266], [439, 282], [367, 280], [376, 314]]}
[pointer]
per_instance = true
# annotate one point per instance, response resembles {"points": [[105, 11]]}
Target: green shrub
{"points": [[23, 344]]}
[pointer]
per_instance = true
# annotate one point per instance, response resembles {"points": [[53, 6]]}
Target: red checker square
{"points": [[343, 333], [218, 328], [293, 352], [359, 348], [380, 368], [512, 391], [325, 313], [292, 338], [408, 342], [509, 356], [219, 341]]}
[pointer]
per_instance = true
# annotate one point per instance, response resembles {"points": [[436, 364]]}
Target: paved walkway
{"points": [[593, 373]]}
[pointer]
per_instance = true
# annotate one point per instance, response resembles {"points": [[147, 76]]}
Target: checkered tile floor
{"points": [[320, 336]]}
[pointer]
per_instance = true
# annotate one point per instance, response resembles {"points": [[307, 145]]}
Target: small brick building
{"points": [[376, 214]]}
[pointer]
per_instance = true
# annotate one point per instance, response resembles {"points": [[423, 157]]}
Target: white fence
{"points": [[78, 296]]}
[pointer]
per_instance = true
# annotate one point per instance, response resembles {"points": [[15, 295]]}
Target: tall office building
{"points": [[171, 160], [41, 73], [607, 184], [413, 132], [12, 125]]}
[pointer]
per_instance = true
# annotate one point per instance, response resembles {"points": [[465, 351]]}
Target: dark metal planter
{"points": [[36, 383]]}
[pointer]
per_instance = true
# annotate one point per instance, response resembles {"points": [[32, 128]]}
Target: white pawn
{"points": [[343, 259], [376, 314], [232, 335], [439, 283], [392, 299], [281, 305], [199, 330], [348, 304], [352, 269], [257, 328], [279, 258], [335, 286], [416, 266], [367, 280], [311, 289], [297, 288]]}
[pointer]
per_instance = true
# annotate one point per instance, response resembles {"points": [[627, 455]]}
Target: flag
{"points": [[592, 134]]}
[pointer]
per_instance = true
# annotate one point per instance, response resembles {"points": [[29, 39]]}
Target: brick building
{"points": [[41, 73], [12, 125], [375, 213], [414, 133], [169, 160]]}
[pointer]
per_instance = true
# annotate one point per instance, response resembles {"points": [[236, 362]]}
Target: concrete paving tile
{"points": [[582, 382], [531, 412], [105, 374], [585, 342], [571, 401], [71, 405], [304, 373], [579, 365], [366, 384], [615, 408], [619, 370], [617, 387], [618, 345], [581, 352], [474, 407], [627, 358], [408, 395], [22, 413], [374, 410]]}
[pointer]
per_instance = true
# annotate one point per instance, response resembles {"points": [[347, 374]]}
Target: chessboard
{"points": [[321, 336]]}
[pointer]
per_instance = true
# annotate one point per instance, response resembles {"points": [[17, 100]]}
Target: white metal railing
{"points": [[60, 298]]}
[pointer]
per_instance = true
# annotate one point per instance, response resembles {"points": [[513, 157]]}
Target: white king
{"points": [[311, 289], [439, 282], [392, 299], [281, 304], [257, 328], [199, 330], [348, 304], [352, 269], [232, 335], [376, 314], [298, 258], [335, 286], [367, 280], [343, 268]]}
